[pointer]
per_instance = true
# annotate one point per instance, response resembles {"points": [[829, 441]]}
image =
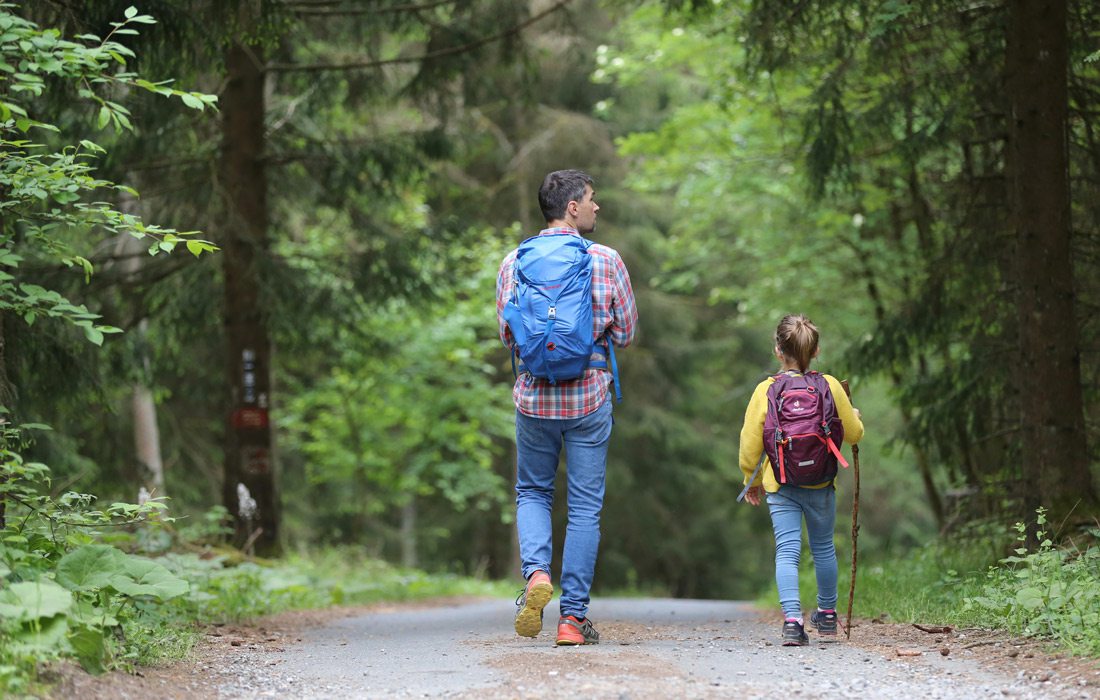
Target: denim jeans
{"points": [[788, 506], [538, 444]]}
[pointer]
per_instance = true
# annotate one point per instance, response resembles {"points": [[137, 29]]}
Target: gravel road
{"points": [[650, 648]]}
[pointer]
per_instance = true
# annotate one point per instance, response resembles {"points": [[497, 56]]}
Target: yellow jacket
{"points": [[752, 433]]}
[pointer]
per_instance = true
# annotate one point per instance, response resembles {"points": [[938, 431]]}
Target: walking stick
{"points": [[855, 525]]}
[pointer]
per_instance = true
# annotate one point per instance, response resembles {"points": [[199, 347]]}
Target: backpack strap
{"points": [[748, 486], [836, 451], [826, 393], [609, 364]]}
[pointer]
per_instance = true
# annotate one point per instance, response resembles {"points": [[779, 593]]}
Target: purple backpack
{"points": [[802, 430]]}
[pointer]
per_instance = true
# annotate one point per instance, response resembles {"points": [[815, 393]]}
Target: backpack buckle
{"points": [[552, 312]]}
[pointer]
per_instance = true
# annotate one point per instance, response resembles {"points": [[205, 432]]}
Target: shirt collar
{"points": [[558, 230]]}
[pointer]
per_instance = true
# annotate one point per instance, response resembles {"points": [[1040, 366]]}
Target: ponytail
{"points": [[796, 337]]}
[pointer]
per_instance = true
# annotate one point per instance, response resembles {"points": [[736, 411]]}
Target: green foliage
{"points": [[409, 407], [1049, 592], [64, 594], [49, 188]]}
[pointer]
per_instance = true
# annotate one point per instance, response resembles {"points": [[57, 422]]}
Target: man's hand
{"points": [[753, 495]]}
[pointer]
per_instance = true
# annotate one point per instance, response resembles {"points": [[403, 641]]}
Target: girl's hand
{"points": [[859, 416], [753, 495]]}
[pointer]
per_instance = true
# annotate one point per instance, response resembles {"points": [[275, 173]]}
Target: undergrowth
{"points": [[124, 585], [1049, 592]]}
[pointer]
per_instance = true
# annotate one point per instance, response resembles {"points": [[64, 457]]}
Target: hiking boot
{"points": [[573, 632], [794, 635], [824, 621], [532, 599]]}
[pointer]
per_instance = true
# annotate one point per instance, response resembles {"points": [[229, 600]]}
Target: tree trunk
{"points": [[408, 534], [7, 400], [143, 408], [147, 435], [1053, 450], [249, 448]]}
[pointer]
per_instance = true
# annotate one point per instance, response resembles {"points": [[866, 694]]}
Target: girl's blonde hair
{"points": [[796, 338]]}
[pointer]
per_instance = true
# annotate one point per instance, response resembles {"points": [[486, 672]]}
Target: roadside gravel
{"points": [[650, 648]]}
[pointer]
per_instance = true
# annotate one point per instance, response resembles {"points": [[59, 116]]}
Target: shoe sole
{"points": [[794, 643], [529, 618]]}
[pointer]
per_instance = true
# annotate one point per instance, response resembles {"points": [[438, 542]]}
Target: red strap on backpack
{"points": [[834, 450]]}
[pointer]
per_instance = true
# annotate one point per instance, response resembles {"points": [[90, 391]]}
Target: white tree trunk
{"points": [[408, 534]]}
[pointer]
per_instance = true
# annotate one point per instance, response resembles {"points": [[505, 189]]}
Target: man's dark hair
{"points": [[559, 189]]}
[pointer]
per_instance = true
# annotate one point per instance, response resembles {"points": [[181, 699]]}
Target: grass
{"points": [[1048, 592]]}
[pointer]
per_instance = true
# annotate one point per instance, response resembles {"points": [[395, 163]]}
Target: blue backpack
{"points": [[550, 311]]}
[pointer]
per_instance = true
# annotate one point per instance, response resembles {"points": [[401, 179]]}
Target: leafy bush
{"points": [[1049, 592], [1052, 593], [63, 591]]}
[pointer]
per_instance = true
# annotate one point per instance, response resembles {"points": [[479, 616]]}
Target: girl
{"points": [[795, 346]]}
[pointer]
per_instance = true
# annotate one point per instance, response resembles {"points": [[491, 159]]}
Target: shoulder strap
{"points": [[748, 486]]}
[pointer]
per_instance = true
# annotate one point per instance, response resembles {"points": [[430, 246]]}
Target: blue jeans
{"points": [[788, 506], [538, 444]]}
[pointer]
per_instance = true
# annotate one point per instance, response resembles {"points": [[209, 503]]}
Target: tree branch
{"points": [[450, 51], [330, 9]]}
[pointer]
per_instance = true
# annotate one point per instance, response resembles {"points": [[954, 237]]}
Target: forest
{"points": [[249, 250]]}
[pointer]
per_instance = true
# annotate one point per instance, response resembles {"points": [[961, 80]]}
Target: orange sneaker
{"points": [[573, 632], [532, 599]]}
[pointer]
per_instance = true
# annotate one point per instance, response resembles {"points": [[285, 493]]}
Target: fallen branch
{"points": [[982, 644], [934, 630]]}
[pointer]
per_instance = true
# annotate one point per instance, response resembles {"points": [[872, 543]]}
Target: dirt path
{"points": [[651, 648]]}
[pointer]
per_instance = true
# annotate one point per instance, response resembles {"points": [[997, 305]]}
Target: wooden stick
{"points": [[855, 525]]}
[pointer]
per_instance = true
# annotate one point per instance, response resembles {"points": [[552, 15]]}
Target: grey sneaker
{"points": [[532, 599], [794, 634], [824, 621]]}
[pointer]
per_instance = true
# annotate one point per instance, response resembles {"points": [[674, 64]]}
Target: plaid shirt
{"points": [[613, 314]]}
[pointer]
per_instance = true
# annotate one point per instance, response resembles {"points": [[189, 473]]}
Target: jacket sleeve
{"points": [[752, 433], [853, 427]]}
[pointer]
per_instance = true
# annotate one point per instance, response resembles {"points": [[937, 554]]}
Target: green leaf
{"points": [[31, 600], [192, 101], [197, 248], [48, 636], [1030, 598], [94, 335], [87, 613], [90, 567], [131, 12], [90, 648], [104, 117], [146, 577]]}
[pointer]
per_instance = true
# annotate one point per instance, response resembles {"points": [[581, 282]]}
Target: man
{"points": [[576, 413]]}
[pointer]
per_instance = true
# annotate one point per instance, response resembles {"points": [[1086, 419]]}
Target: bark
{"points": [[1053, 449], [147, 439], [408, 534], [131, 252], [7, 400], [249, 448]]}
